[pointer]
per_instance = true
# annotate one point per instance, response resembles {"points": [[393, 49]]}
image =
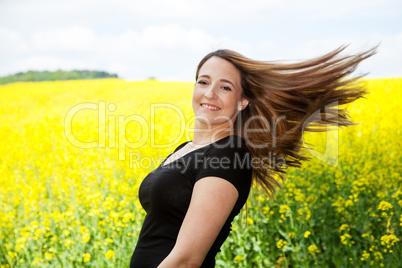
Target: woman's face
{"points": [[217, 93]]}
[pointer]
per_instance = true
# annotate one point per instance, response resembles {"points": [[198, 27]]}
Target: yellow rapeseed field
{"points": [[73, 154]]}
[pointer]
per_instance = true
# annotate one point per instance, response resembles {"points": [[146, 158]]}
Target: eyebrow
{"points": [[222, 79]]}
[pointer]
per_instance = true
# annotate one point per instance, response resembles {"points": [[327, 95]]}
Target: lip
{"points": [[210, 105]]}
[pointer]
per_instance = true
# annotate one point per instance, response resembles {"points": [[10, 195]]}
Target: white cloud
{"points": [[387, 63], [75, 38], [190, 9], [334, 9], [11, 41], [170, 36]]}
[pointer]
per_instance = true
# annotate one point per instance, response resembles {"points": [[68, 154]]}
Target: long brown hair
{"points": [[289, 95]]}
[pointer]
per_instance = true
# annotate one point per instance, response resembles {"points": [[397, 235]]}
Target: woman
{"points": [[250, 117]]}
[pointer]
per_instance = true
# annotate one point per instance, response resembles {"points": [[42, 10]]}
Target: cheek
{"points": [[197, 95], [195, 98], [231, 102]]}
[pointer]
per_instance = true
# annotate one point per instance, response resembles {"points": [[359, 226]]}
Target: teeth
{"points": [[210, 107]]}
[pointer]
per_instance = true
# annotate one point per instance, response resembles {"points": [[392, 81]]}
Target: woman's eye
{"points": [[202, 82], [227, 88]]}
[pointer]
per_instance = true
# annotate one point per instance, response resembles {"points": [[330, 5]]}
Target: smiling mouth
{"points": [[210, 107]]}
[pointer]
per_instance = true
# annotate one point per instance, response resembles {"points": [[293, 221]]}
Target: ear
{"points": [[243, 104]]}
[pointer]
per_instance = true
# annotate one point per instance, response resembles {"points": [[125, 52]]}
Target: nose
{"points": [[210, 92]]}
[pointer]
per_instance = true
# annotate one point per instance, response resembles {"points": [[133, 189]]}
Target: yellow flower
{"points": [[238, 259], [87, 257], [110, 254], [260, 198], [281, 243], [291, 235], [250, 221], [389, 240], [37, 260], [384, 205], [284, 208], [365, 235], [280, 260], [83, 229], [66, 232], [12, 254], [378, 255], [348, 203], [307, 233], [365, 255], [344, 227], [265, 210], [86, 237], [48, 256], [345, 239], [68, 243], [313, 249]]}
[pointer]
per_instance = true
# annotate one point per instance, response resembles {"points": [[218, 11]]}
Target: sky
{"points": [[141, 39]]}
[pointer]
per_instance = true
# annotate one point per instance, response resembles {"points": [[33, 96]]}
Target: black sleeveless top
{"points": [[165, 195]]}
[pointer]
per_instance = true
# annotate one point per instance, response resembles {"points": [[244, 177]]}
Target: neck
{"points": [[203, 136]]}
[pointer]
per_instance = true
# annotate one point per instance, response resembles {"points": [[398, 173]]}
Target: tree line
{"points": [[36, 76]]}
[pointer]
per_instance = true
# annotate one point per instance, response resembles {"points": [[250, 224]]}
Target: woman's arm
{"points": [[211, 203]]}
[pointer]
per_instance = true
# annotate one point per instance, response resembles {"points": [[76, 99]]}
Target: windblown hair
{"points": [[286, 99]]}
